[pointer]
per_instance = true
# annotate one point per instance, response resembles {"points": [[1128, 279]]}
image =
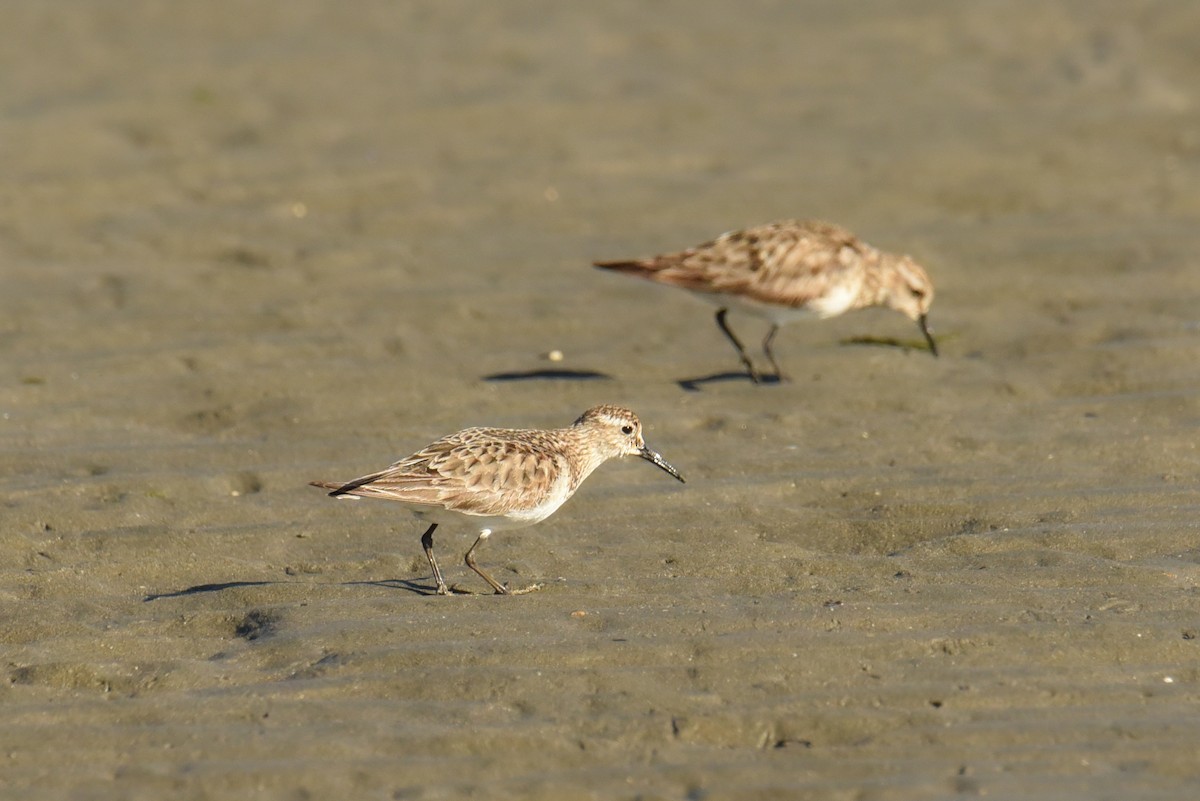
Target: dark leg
{"points": [[427, 544], [771, 356], [754, 376], [470, 560]]}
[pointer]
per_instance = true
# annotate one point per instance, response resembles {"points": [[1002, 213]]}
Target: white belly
{"points": [[838, 300], [779, 315], [519, 517]]}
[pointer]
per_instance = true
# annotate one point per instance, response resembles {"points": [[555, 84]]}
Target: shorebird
{"points": [[787, 270], [501, 478]]}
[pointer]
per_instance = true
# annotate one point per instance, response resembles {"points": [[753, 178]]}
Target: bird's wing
{"points": [[788, 263], [476, 471]]}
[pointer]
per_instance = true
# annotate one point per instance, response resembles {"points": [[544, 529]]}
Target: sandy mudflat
{"points": [[243, 246]]}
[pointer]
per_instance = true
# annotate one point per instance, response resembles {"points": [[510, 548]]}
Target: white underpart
{"points": [[841, 299], [779, 315], [556, 497], [518, 518], [838, 300]]}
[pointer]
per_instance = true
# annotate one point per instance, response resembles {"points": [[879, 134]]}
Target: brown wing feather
{"points": [[787, 263], [478, 471]]}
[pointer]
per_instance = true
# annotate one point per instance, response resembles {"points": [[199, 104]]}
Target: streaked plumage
{"points": [[787, 270], [502, 478]]}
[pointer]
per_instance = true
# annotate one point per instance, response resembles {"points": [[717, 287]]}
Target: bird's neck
{"points": [[583, 458], [877, 283]]}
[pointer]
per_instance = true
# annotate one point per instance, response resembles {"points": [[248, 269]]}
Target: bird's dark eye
{"points": [[919, 294], [626, 429]]}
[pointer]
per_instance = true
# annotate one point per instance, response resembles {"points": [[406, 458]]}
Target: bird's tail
{"points": [[642, 267], [338, 488]]}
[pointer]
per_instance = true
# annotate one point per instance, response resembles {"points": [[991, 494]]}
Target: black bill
{"points": [[924, 326], [655, 458]]}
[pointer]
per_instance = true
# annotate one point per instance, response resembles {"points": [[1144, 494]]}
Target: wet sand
{"points": [[243, 248]]}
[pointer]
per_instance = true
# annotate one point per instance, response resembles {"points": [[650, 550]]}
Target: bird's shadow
{"points": [[888, 342], [199, 589], [698, 383], [548, 374]]}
